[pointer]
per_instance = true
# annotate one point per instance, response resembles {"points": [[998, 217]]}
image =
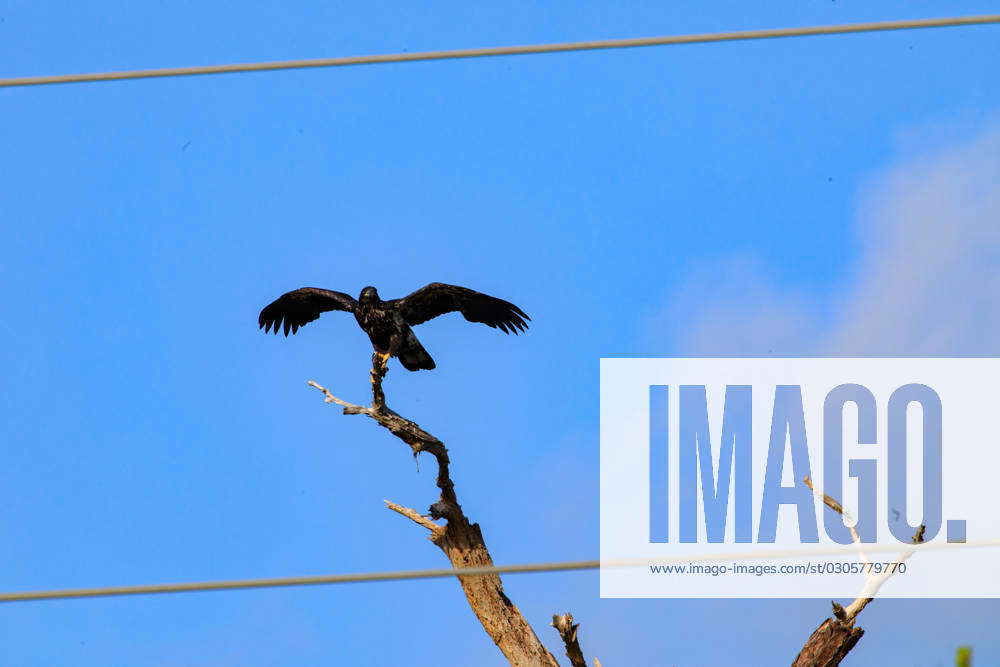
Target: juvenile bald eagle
{"points": [[388, 323]]}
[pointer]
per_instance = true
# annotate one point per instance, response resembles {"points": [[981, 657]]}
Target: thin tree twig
{"points": [[839, 509], [416, 517]]}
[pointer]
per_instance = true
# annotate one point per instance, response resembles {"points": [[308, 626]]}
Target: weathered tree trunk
{"points": [[460, 539], [828, 644], [463, 544]]}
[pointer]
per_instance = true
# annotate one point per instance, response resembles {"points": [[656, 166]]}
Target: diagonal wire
{"points": [[403, 575], [507, 50]]}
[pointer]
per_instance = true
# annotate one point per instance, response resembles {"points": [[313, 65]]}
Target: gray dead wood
{"points": [[460, 539]]}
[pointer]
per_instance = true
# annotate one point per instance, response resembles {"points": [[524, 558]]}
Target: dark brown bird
{"points": [[388, 323]]}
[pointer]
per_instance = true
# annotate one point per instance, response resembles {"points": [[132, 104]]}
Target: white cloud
{"points": [[733, 308], [926, 283]]}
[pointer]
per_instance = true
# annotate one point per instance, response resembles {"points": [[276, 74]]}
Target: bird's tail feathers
{"points": [[413, 356]]}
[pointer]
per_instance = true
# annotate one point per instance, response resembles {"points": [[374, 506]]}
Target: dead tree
{"points": [[462, 541], [836, 636]]}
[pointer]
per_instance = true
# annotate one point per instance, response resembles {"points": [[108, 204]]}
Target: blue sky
{"points": [[711, 198]]}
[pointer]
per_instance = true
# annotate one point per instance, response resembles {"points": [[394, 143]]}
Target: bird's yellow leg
{"points": [[380, 366], [380, 361]]}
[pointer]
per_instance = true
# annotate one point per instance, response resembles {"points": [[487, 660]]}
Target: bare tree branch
{"points": [[839, 509], [836, 636], [460, 539], [564, 625], [416, 517], [874, 583]]}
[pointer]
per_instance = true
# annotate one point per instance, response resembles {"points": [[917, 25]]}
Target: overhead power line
{"points": [[278, 582], [403, 575], [507, 50]]}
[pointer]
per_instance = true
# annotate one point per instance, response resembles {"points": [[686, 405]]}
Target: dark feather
{"points": [[438, 298], [299, 307], [413, 356]]}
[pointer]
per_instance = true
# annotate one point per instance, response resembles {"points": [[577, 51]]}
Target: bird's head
{"points": [[368, 295]]}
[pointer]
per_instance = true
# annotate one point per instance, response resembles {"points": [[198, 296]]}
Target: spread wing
{"points": [[301, 306], [437, 299]]}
